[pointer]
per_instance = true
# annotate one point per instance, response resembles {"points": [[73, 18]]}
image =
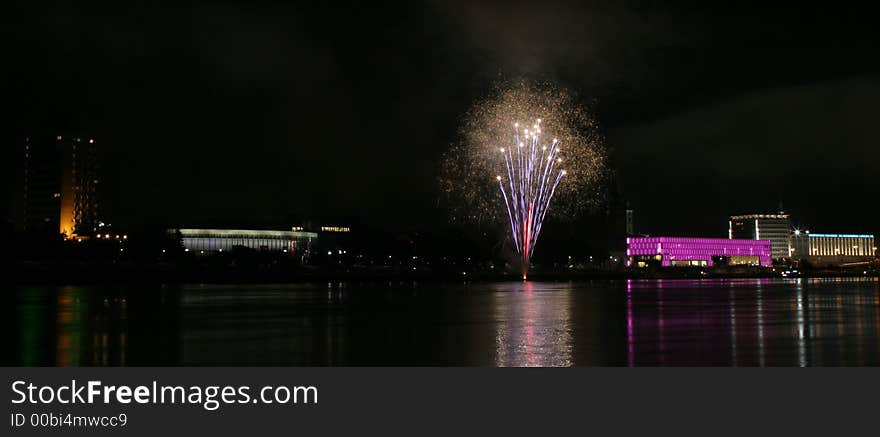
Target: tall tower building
{"points": [[630, 221], [60, 185], [773, 227]]}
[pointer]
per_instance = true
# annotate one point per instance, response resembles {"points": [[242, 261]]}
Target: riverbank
{"points": [[166, 273]]}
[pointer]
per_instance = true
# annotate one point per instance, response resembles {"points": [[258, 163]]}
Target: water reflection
{"points": [[731, 301], [749, 322], [801, 340], [630, 334], [296, 324], [533, 326], [86, 326], [68, 326], [759, 310], [757, 322]]}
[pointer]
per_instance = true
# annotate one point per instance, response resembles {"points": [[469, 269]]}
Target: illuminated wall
{"points": [[79, 183], [60, 186], [219, 240], [813, 245], [773, 227], [67, 222], [698, 251]]}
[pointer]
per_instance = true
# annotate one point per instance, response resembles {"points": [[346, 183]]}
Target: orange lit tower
{"points": [[60, 186]]}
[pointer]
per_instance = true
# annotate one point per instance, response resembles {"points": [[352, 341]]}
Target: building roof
{"points": [[698, 240], [759, 216], [245, 233], [838, 235]]}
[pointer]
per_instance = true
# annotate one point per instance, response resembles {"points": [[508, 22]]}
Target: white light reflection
{"points": [[802, 349], [533, 325], [732, 298], [630, 333], [760, 310], [814, 303], [841, 344], [860, 349]]}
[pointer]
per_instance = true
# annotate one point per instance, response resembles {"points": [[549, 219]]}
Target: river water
{"points": [[741, 322]]}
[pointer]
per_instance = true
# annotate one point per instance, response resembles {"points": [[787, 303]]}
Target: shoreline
{"points": [[127, 275]]}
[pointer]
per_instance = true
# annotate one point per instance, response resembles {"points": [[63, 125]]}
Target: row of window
{"points": [[822, 246], [213, 243]]}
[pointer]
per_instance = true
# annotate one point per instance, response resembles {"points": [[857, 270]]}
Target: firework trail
{"points": [[527, 168], [533, 174]]}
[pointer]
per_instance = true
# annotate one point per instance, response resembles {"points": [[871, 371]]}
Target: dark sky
{"points": [[248, 111]]}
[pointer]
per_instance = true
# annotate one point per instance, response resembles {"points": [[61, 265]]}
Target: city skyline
{"points": [[208, 114], [438, 183], [60, 192]]}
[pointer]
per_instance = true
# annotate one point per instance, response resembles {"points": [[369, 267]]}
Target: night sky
{"points": [[242, 112]]}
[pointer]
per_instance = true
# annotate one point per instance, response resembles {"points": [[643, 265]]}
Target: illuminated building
{"points": [[807, 245], [335, 233], [335, 237], [773, 227], [702, 252], [60, 185], [220, 240]]}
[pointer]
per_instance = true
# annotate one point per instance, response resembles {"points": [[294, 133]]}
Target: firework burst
{"points": [[540, 148], [533, 174]]}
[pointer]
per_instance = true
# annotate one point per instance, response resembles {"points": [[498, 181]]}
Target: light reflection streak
{"points": [[801, 342], [860, 350], [877, 315], [69, 335], [661, 325], [815, 303], [760, 309], [732, 300], [533, 325], [630, 334], [842, 344]]}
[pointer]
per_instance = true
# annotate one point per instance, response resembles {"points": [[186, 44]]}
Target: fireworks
{"points": [[539, 148], [533, 174]]}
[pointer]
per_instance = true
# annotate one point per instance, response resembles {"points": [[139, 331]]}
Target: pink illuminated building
{"points": [[676, 251]]}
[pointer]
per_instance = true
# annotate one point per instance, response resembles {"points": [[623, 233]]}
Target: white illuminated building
{"points": [[220, 240], [807, 245], [773, 227]]}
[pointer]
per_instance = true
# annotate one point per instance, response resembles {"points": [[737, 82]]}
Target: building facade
{"points": [[219, 240], [699, 252], [60, 185], [773, 227], [808, 245]]}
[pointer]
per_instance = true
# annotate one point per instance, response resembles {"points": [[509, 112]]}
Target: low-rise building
{"points": [[698, 252], [833, 248], [220, 240]]}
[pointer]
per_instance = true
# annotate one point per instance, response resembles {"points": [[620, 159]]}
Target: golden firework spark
{"points": [[503, 141]]}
